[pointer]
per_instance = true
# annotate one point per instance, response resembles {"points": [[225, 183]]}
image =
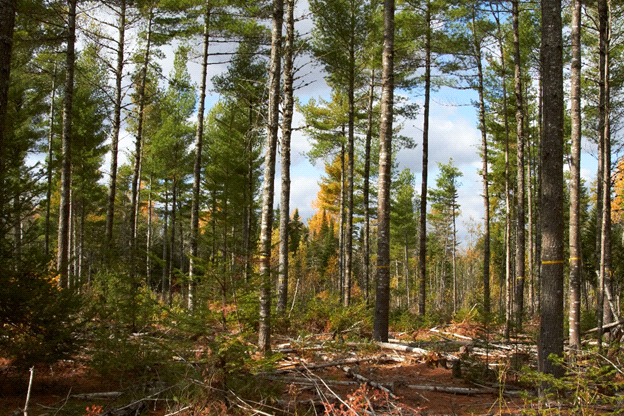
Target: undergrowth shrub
{"points": [[39, 323], [323, 315], [119, 299], [588, 383]]}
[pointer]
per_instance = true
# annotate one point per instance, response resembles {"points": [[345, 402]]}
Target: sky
{"points": [[453, 134]]}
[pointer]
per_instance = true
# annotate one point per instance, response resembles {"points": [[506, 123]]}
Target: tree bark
{"points": [[264, 330], [282, 289], [382, 299], [575, 179], [422, 237], [551, 324], [66, 139]]}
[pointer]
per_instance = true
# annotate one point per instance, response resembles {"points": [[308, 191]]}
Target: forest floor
{"points": [[414, 374]]}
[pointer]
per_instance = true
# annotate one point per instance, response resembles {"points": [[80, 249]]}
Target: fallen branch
{"points": [[311, 382], [178, 411], [95, 396], [32, 373], [608, 326], [364, 380], [330, 364], [436, 330], [454, 390]]}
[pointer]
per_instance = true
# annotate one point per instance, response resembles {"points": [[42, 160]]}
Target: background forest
{"points": [[134, 199]]}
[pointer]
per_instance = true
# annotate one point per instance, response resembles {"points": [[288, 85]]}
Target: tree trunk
{"points": [[484, 170], [341, 226], [603, 310], [49, 165], [350, 164], [110, 212], [138, 145], [7, 26], [282, 289], [454, 257], [165, 256], [174, 191], [148, 240], [199, 140], [66, 139], [507, 175], [366, 190], [575, 179], [520, 213], [422, 238], [407, 276], [382, 299], [551, 324], [264, 329]]}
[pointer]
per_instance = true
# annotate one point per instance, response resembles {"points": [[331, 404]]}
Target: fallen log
{"points": [[607, 326], [402, 348], [454, 390]]}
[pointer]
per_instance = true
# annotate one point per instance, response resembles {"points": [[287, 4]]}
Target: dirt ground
{"points": [[413, 382], [56, 391]]}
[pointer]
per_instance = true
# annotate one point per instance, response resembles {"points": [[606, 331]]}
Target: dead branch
{"points": [[330, 364], [311, 382], [454, 390], [96, 396], [365, 380], [134, 408], [608, 326], [436, 330], [32, 373]]}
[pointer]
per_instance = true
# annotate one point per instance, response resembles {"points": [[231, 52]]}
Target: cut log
{"points": [[402, 348]]}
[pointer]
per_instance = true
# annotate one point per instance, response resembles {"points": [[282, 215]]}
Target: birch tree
{"points": [[266, 226], [382, 296]]}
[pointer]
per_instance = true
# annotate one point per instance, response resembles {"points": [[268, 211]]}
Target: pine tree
{"points": [[551, 324]]}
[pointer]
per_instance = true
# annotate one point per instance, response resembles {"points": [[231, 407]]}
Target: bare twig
{"points": [[178, 411], [32, 373]]}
